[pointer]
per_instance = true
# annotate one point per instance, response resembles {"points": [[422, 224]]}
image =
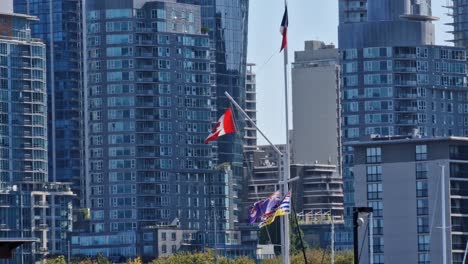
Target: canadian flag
{"points": [[224, 126]]}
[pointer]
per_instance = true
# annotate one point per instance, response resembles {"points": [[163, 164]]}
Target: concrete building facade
{"points": [[401, 179], [386, 87], [315, 93], [319, 187]]}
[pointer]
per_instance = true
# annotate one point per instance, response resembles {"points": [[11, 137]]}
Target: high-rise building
{"points": [[30, 206], [395, 82], [458, 9], [60, 27], [250, 137], [226, 24], [315, 91], [152, 75], [317, 191], [319, 187], [383, 23], [401, 178]]}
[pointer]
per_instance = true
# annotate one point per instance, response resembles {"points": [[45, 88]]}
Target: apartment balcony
{"points": [[405, 83], [25, 53], [147, 80], [356, 9], [405, 69], [148, 55], [145, 43], [407, 121], [407, 95], [41, 204], [145, 67], [406, 109]]}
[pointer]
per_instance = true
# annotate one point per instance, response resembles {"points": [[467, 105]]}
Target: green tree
{"points": [[316, 256], [135, 261], [56, 260], [200, 258], [295, 237], [101, 259]]}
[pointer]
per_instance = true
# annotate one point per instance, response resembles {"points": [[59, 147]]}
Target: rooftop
{"points": [[403, 140], [34, 18]]}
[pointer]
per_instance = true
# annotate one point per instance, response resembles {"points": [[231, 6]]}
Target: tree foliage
{"points": [[313, 256], [200, 258], [135, 261], [56, 260], [316, 256]]}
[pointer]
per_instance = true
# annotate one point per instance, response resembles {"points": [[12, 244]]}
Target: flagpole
{"points": [[286, 166]]}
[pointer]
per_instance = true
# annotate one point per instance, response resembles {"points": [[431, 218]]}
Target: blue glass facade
{"points": [[460, 29], [226, 21], [388, 70], [152, 99], [59, 26], [30, 206]]}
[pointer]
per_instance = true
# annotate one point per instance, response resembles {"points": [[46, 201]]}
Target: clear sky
{"points": [[308, 20], [6, 6]]}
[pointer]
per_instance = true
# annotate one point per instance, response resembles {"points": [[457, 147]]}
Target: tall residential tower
{"points": [[60, 27], [152, 96], [394, 82], [30, 205]]}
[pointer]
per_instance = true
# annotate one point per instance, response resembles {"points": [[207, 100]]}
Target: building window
{"points": [[173, 236], [423, 242], [423, 225], [421, 152], [378, 208], [421, 171], [422, 207], [374, 155], [378, 226], [421, 189], [423, 258], [148, 236], [173, 249], [163, 236], [164, 249], [374, 191], [374, 173], [378, 244], [378, 259]]}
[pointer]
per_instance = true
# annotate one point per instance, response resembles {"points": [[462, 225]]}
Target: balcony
{"points": [[405, 69], [406, 82], [407, 122], [406, 109], [144, 55], [407, 95]]}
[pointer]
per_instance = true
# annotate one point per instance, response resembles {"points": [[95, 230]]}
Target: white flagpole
{"points": [[332, 261], [286, 166]]}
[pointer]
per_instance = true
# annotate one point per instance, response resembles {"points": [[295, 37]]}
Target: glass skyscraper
{"points": [[30, 206], [153, 70], [59, 26]]}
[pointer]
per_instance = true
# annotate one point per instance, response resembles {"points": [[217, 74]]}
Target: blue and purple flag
{"points": [[265, 207]]}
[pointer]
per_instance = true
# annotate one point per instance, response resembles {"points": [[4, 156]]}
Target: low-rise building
{"points": [[401, 178]]}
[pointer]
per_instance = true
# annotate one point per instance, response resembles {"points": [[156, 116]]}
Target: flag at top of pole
{"points": [[284, 28]]}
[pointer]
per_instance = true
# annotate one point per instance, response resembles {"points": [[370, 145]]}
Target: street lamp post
{"points": [[358, 212]]}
